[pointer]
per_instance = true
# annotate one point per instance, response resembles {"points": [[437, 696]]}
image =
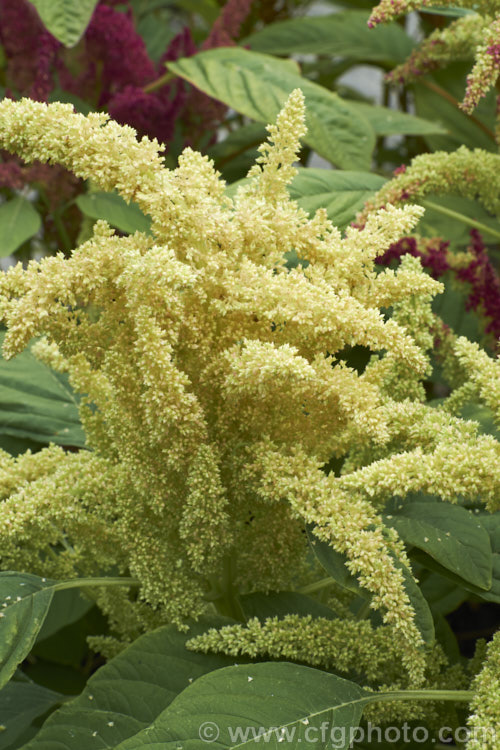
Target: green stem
{"points": [[226, 602], [56, 216], [450, 98], [77, 583], [61, 230], [459, 217], [311, 588], [159, 82], [424, 695]]}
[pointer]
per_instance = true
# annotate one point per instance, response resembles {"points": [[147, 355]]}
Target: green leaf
{"points": [[67, 607], [385, 121], [344, 34], [15, 446], [37, 403], [295, 703], [491, 522], [492, 595], [335, 565], [257, 86], [423, 615], [20, 703], [447, 639], [157, 31], [282, 603], [131, 690], [19, 221], [24, 603], [127, 217], [442, 595], [65, 19], [342, 193], [449, 533]]}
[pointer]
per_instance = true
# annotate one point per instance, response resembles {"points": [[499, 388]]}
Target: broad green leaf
{"points": [[341, 193], [15, 446], [423, 615], [65, 19], [157, 31], [20, 703], [492, 595], [491, 522], [67, 607], [24, 603], [19, 221], [127, 217], [67, 648], [385, 121], [37, 403], [296, 704], [335, 565], [282, 603], [442, 595], [449, 533], [344, 34], [131, 690], [257, 86], [447, 639]]}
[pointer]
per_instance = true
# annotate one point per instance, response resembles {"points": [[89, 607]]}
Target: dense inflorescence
{"points": [[214, 388], [484, 723]]}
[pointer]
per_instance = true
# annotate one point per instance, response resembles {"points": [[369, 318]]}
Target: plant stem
{"points": [[158, 82], [226, 602], [449, 98], [459, 217], [424, 695], [311, 588], [61, 230], [58, 223], [76, 583]]}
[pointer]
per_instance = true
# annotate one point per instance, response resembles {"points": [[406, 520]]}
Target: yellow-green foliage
{"points": [[213, 386]]}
